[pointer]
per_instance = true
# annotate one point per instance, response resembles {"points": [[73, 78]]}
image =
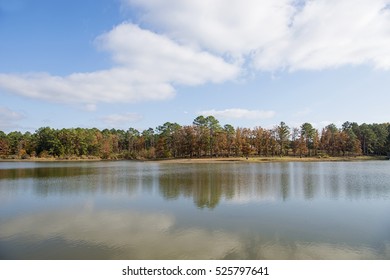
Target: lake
{"points": [[151, 210]]}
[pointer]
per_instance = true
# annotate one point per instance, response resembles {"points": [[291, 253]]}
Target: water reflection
{"points": [[208, 184], [43, 172], [239, 182], [128, 210], [207, 187], [127, 234], [140, 235]]}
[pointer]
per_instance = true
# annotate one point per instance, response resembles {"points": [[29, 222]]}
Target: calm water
{"points": [[134, 210]]}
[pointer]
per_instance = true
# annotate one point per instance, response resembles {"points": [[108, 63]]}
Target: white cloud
{"points": [[114, 85], [8, 118], [148, 65], [117, 119], [234, 26], [163, 59], [190, 42], [332, 33], [236, 113], [279, 34]]}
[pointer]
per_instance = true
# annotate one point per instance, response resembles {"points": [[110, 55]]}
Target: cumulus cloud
{"points": [[114, 85], [163, 59], [196, 42], [236, 113], [280, 34], [147, 67], [233, 26], [329, 34]]}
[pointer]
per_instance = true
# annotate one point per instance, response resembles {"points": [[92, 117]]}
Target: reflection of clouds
{"points": [[138, 235], [132, 235], [96, 227], [323, 230], [257, 247], [242, 199], [387, 250], [317, 251]]}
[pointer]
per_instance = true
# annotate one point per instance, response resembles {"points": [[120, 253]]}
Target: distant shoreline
{"points": [[212, 160], [53, 160], [270, 159]]}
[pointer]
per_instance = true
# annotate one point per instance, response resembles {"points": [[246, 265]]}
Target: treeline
{"points": [[206, 137]]}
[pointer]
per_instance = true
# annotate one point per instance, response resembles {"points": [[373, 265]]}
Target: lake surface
{"points": [[136, 210]]}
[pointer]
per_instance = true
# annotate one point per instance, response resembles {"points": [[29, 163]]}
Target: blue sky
{"points": [[140, 63]]}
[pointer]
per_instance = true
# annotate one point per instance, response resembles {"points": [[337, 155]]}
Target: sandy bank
{"points": [[212, 160], [268, 159]]}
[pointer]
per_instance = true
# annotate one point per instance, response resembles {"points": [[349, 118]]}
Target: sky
{"points": [[141, 63]]}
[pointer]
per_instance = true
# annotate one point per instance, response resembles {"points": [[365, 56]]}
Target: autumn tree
{"points": [[167, 144], [352, 145], [258, 135], [204, 137], [189, 140]]}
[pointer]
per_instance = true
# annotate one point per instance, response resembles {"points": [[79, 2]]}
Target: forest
{"points": [[205, 137]]}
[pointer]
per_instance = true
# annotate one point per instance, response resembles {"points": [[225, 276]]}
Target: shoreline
{"points": [[269, 159], [212, 160]]}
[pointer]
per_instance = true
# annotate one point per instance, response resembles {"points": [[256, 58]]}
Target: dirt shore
{"points": [[269, 159], [214, 160]]}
